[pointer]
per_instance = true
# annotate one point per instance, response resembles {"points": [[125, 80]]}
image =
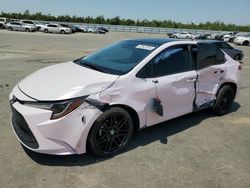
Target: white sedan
{"points": [[243, 40], [183, 35], [99, 101], [55, 28]]}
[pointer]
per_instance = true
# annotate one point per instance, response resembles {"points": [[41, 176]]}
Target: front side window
{"points": [[172, 60]]}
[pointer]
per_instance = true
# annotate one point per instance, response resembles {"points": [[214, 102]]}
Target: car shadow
{"points": [[144, 137]]}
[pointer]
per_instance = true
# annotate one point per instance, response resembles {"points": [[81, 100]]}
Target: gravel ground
{"points": [[196, 150]]}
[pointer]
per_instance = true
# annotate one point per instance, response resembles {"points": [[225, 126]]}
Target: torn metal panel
{"points": [[208, 83]]}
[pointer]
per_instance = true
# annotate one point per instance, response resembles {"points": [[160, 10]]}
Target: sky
{"points": [[185, 11]]}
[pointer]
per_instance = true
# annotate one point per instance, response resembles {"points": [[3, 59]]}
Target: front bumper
{"points": [[37, 132]]}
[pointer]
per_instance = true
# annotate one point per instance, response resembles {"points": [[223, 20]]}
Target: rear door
{"points": [[169, 77], [211, 71]]}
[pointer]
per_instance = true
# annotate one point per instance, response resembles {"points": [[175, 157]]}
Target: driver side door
{"points": [[169, 77]]}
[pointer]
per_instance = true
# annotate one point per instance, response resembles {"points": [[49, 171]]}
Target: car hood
{"points": [[65, 81]]}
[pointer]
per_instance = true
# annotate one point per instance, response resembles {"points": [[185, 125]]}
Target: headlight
{"points": [[59, 109]]}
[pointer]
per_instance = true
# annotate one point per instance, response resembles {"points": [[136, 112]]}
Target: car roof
{"points": [[210, 41], [155, 41]]}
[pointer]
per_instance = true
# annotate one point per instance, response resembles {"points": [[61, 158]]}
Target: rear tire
{"points": [[111, 132], [245, 43], [224, 101], [46, 31], [10, 29], [237, 57]]}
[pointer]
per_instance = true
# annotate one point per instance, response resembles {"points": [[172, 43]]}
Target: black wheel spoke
{"points": [[113, 120], [113, 133], [122, 123]]}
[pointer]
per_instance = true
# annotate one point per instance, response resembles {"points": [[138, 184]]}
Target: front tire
{"points": [[111, 132], [10, 29], [27, 30], [62, 32], [224, 101], [46, 31]]}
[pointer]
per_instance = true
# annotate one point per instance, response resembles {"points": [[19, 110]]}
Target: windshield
{"points": [[118, 58]]}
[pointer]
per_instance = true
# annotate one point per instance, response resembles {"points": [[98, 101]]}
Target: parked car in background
{"points": [[96, 103], [29, 23], [83, 28], [243, 40], [183, 35], [3, 22], [17, 26], [227, 36], [103, 29], [91, 30], [73, 29], [233, 37], [94, 30], [171, 34], [203, 36], [100, 31], [234, 53], [40, 25], [55, 28], [77, 28]]}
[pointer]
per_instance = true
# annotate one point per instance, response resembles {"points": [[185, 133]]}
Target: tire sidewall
{"points": [[218, 101], [91, 138]]}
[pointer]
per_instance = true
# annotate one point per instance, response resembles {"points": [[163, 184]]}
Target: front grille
{"points": [[22, 130]]}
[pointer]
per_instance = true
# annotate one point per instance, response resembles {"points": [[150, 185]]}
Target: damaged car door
{"points": [[170, 84], [211, 71]]}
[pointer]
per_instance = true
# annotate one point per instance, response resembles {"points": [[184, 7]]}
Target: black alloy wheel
{"points": [[111, 132], [224, 100]]}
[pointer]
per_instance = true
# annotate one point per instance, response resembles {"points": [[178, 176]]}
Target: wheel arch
{"points": [[132, 113]]}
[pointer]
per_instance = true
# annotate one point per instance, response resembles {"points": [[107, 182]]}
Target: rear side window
{"points": [[28, 22], [171, 61], [52, 26], [208, 55]]}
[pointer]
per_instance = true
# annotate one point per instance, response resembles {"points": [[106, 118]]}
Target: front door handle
{"points": [[155, 81], [191, 79]]}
